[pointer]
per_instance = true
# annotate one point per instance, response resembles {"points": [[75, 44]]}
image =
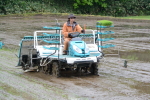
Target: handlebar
{"points": [[73, 35]]}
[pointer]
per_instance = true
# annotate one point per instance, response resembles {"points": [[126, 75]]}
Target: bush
{"points": [[94, 7]]}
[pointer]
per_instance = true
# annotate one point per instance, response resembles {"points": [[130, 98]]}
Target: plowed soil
{"points": [[115, 80]]}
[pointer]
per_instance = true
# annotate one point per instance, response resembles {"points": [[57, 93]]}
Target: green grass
{"points": [[137, 17], [34, 14], [105, 21]]}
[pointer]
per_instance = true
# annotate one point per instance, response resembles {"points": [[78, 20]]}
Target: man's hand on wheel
{"points": [[70, 35], [73, 35], [82, 31]]}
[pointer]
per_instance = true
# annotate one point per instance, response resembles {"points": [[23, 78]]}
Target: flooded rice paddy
{"points": [[115, 82]]}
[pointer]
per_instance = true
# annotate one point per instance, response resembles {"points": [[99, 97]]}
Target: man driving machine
{"points": [[69, 28]]}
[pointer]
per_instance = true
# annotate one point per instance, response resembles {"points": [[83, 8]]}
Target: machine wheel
{"points": [[45, 69], [78, 70], [94, 69], [55, 69]]}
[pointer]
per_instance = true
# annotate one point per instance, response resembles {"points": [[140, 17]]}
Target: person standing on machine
{"points": [[69, 27]]}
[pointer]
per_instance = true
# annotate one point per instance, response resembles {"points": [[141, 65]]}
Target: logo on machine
{"points": [[81, 45]]}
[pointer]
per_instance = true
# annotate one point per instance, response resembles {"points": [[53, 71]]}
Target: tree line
{"points": [[93, 7]]}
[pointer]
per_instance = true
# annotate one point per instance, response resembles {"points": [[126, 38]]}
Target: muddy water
{"points": [[141, 55], [114, 82]]}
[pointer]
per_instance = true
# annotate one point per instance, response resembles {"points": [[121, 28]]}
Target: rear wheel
{"points": [[55, 69], [94, 69], [24, 62]]}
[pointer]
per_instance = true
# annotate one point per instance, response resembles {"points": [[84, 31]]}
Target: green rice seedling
{"points": [[104, 22]]}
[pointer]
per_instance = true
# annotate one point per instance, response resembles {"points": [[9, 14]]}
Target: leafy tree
{"points": [[89, 3], [89, 6], [96, 7]]}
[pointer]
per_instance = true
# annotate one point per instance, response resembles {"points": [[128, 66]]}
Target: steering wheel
{"points": [[73, 35]]}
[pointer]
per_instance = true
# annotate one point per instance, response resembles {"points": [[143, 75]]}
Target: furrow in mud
{"points": [[35, 90], [136, 72], [25, 85], [115, 82]]}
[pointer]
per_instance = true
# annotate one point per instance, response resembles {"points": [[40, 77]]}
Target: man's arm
{"points": [[79, 29], [65, 32]]}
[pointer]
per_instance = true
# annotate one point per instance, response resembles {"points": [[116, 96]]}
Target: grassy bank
{"points": [[46, 14], [137, 17]]}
